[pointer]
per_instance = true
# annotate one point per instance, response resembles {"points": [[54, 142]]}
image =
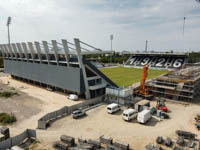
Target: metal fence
{"points": [[52, 116], [13, 141]]}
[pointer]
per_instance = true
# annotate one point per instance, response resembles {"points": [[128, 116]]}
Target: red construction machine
{"points": [[161, 105]]}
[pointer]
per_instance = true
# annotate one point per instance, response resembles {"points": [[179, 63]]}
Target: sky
{"points": [[132, 22]]}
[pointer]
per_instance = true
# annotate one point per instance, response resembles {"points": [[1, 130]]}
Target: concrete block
{"points": [[105, 140], [61, 146], [96, 144], [80, 140], [70, 141], [122, 145], [86, 146]]}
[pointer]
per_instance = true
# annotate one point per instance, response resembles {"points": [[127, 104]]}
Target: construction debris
{"points": [[80, 140], [105, 140], [177, 148], [95, 143], [59, 145], [159, 140], [151, 147], [180, 141], [168, 142], [70, 141], [186, 135], [112, 147], [86, 146], [191, 144], [122, 145]]}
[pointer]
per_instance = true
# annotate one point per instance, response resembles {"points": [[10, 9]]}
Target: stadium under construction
{"points": [[59, 66], [64, 67]]}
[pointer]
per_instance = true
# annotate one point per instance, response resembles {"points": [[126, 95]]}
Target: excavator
{"points": [[142, 92]]}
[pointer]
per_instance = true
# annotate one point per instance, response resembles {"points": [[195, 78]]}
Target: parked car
{"points": [[78, 113], [112, 108], [73, 97]]}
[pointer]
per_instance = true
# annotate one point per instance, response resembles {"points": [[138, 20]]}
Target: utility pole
{"points": [[8, 24], [146, 46]]}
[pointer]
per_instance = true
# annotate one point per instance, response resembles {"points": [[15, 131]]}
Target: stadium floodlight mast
{"points": [[8, 24], [146, 45], [111, 38]]}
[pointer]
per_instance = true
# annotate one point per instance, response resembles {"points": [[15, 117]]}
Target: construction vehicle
{"points": [[142, 92], [161, 105]]}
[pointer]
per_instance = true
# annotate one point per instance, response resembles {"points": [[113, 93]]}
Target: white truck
{"points": [[112, 108], [144, 116], [129, 114]]}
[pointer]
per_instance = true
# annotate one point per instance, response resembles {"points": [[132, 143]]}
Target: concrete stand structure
{"points": [[59, 66], [181, 85]]}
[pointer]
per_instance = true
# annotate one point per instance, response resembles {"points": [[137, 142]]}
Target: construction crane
{"points": [[142, 89]]}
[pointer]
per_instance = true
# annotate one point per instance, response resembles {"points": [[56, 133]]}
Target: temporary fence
{"points": [[52, 116], [13, 141]]}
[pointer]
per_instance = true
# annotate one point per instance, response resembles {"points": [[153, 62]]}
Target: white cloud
{"points": [[131, 22]]}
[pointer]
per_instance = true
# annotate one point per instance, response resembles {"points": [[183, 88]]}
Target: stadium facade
{"points": [[61, 66]]}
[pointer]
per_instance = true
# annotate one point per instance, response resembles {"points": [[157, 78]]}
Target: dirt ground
{"points": [[34, 102], [30, 104]]}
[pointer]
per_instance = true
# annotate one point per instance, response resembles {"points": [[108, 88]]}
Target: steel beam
{"points": [[38, 49], [66, 50], [80, 60], [55, 49], [46, 49]]}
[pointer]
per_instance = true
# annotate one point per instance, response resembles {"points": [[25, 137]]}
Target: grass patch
{"points": [[123, 76], [7, 119], [7, 94]]}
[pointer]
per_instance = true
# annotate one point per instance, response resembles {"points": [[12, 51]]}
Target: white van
{"points": [[112, 108], [144, 116], [129, 114]]}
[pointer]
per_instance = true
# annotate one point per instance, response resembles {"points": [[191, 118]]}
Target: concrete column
{"points": [[55, 49], [46, 49], [38, 49], [66, 50], [30, 45], [82, 66]]}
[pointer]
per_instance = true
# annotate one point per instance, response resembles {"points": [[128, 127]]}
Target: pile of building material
{"points": [[185, 134], [64, 143], [185, 140]]}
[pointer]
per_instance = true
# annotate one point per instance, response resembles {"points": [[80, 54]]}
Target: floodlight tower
{"points": [[8, 24], [111, 38]]}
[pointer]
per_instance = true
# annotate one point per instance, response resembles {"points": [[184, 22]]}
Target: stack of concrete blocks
{"points": [[121, 145], [117, 145], [70, 141], [95, 143], [106, 140], [60, 145], [64, 143], [4, 133], [88, 144]]}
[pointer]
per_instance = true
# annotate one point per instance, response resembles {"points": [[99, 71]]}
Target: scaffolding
{"points": [[183, 84]]}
